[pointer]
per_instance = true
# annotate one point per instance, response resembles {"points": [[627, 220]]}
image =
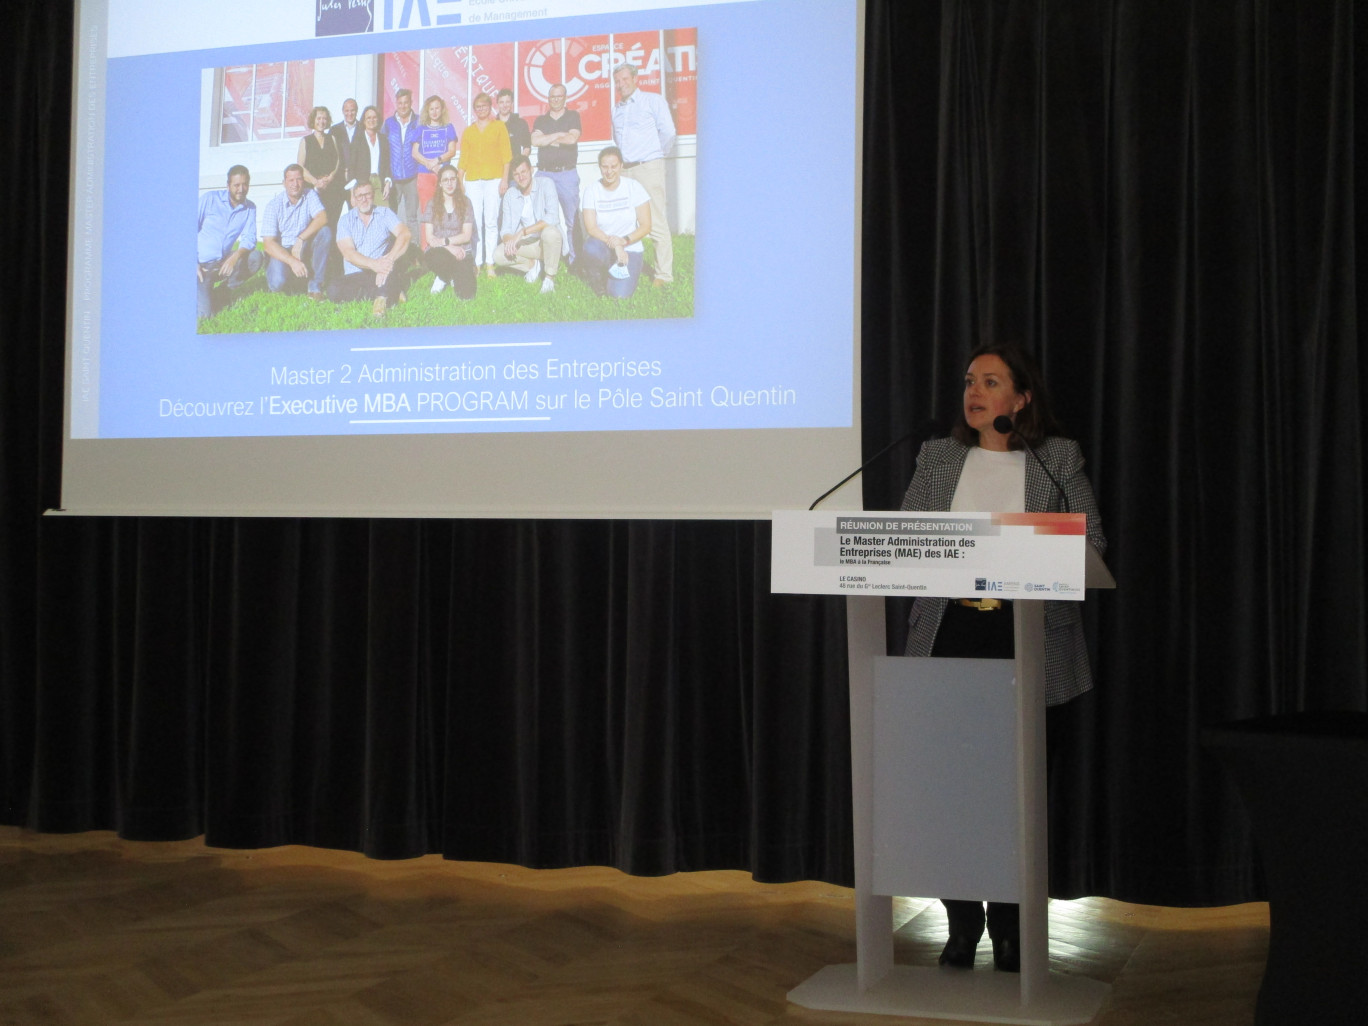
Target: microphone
{"points": [[1003, 425], [925, 429]]}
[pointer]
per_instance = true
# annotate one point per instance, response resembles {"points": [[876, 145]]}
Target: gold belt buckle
{"points": [[983, 605]]}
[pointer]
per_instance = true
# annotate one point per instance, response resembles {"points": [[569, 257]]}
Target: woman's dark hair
{"points": [[460, 206], [1036, 421]]}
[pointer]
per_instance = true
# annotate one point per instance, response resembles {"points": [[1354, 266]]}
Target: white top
{"points": [[991, 482], [374, 166], [643, 127], [616, 208]]}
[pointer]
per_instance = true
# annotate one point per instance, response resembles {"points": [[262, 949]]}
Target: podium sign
{"points": [[913, 721], [947, 555]]}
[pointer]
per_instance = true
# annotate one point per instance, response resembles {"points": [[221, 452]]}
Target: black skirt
{"points": [[967, 633]]}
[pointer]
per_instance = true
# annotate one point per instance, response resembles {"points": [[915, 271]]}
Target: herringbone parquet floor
{"points": [[95, 930]]}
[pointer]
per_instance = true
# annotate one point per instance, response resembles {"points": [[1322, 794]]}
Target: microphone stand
{"points": [[1004, 426], [925, 428]]}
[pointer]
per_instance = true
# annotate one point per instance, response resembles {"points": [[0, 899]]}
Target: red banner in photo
{"points": [[642, 50], [491, 68], [401, 72], [540, 66], [666, 63], [681, 78], [588, 63], [445, 75]]}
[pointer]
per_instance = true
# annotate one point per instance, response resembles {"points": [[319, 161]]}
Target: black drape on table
{"points": [[1160, 198]]}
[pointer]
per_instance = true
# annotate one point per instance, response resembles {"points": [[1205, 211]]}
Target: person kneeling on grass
{"points": [[371, 240], [296, 236], [617, 216], [226, 239], [448, 227], [530, 215]]}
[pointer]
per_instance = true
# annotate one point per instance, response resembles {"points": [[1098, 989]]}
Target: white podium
{"points": [[947, 755]]}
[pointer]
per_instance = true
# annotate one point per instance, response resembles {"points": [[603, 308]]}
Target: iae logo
{"points": [[406, 14]]}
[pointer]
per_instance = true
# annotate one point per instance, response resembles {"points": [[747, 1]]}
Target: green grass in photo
{"points": [[504, 299]]}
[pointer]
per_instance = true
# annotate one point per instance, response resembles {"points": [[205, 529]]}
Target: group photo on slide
{"points": [[521, 182], [536, 180]]}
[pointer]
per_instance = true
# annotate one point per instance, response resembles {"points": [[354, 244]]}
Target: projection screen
{"points": [[655, 315]]}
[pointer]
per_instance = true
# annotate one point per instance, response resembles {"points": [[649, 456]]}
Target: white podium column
{"points": [[873, 912]]}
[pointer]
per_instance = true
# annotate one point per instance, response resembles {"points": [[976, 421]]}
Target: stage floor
{"points": [[95, 931]]}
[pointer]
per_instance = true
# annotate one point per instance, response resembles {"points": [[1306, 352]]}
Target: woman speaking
{"points": [[985, 466]]}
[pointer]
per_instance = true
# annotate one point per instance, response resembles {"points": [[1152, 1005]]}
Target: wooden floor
{"points": [[95, 930]]}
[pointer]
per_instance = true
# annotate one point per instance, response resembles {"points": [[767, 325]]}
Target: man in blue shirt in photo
{"points": [[226, 239], [402, 129], [372, 241], [530, 215], [296, 236], [644, 131]]}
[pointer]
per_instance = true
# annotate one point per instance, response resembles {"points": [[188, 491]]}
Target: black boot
{"points": [[966, 930], [1004, 927]]}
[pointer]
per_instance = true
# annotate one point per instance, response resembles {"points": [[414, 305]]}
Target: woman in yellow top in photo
{"points": [[483, 165]]}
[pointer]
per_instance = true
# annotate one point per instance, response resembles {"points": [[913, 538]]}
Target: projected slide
{"points": [[460, 219], [567, 89]]}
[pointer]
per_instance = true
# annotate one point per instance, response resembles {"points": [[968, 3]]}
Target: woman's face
{"points": [[482, 109], [989, 393], [434, 111], [610, 167], [371, 120], [448, 182], [321, 121]]}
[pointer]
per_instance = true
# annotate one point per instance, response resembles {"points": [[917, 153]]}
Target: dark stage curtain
{"points": [[1160, 198]]}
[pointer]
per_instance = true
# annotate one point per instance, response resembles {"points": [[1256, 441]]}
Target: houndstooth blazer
{"points": [[1067, 673]]}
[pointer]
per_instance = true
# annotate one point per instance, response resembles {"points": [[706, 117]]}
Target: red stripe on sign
{"points": [[1047, 523]]}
